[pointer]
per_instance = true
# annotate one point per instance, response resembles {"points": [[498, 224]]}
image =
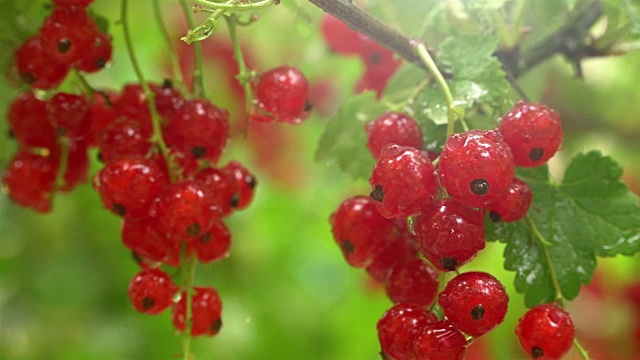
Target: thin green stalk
{"points": [[208, 26], [416, 91], [583, 352], [442, 283], [156, 137], [198, 73], [175, 66], [63, 143], [232, 5], [244, 75], [188, 270], [545, 250], [84, 84], [452, 111]]}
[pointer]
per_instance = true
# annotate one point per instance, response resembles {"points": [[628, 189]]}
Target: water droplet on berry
{"points": [[479, 186], [377, 194], [477, 313], [536, 154]]}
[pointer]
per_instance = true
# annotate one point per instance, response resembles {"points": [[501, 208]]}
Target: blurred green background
{"points": [[287, 292]]}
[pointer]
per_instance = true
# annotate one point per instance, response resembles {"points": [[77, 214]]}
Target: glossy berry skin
{"points": [[98, 55], [70, 115], [68, 33], [545, 332], [392, 128], [512, 205], [360, 230], [29, 124], [245, 183], [476, 167], [414, 281], [283, 94], [449, 234], [223, 186], [124, 138], [143, 237], [440, 341], [214, 245], [128, 187], [404, 181], [533, 132], [151, 291], [29, 180], [399, 250], [206, 311], [399, 327], [168, 99], [36, 67], [200, 129], [475, 302], [77, 165], [186, 210]]}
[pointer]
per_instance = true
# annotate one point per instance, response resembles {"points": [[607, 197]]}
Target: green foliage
{"points": [[591, 213], [344, 141]]}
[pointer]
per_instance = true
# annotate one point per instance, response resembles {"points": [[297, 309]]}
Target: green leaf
{"points": [[344, 141], [591, 213]]}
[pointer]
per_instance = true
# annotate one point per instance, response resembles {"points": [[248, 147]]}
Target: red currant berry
{"points": [[545, 332], [414, 281], [68, 34], [77, 165], [400, 250], [360, 230], [123, 139], [198, 128], [81, 3], [283, 93], [533, 132], [449, 234], [475, 302], [132, 103], [186, 210], [145, 239], [380, 64], [168, 99], [512, 205], [102, 115], [70, 115], [98, 55], [440, 341], [223, 186], [38, 69], [338, 36], [29, 124], [476, 167], [404, 181], [29, 180], [245, 183], [399, 327], [214, 245], [151, 291], [128, 187], [393, 128], [206, 312]]}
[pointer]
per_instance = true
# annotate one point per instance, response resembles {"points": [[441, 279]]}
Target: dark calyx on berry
{"points": [[63, 46], [205, 238], [494, 216], [308, 106], [537, 352], [235, 200], [377, 194], [479, 186], [198, 151], [536, 154], [347, 247], [29, 78], [147, 303], [477, 313], [251, 181], [119, 209], [215, 326], [449, 263], [193, 230], [101, 62]]}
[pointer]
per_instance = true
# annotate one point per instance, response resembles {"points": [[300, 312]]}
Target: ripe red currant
{"points": [[145, 239], [476, 167], [414, 281], [245, 184], [399, 327], [440, 341], [38, 69], [29, 124], [449, 234], [29, 180], [122, 139], [545, 332], [151, 291], [338, 36], [475, 302], [533, 132], [68, 34], [223, 186], [98, 55], [70, 115], [393, 128], [206, 312], [399, 250], [404, 181], [213, 245], [283, 93], [512, 205]]}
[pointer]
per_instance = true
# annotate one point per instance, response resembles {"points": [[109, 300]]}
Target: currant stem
{"points": [[416, 91], [175, 66], [452, 111], [84, 84], [583, 352], [63, 143], [244, 75], [233, 6], [545, 249], [197, 75], [188, 271], [208, 26], [156, 137]]}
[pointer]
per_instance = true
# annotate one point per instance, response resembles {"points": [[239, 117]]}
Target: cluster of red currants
{"points": [[68, 38], [380, 63], [446, 208]]}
